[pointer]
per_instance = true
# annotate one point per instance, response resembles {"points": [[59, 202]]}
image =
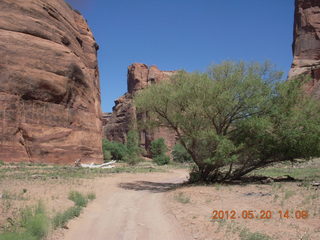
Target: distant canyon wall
{"points": [[306, 43], [117, 124], [49, 84]]}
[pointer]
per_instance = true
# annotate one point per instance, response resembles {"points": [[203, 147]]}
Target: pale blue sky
{"points": [[185, 34]]}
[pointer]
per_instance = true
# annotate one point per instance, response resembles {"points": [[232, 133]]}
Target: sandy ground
{"points": [[193, 206], [52, 192], [129, 207], [156, 206]]}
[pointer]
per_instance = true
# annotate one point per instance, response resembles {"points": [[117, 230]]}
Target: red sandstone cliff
{"points": [[49, 84], [306, 43], [124, 116]]}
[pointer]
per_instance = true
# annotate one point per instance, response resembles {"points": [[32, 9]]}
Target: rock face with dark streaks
{"points": [[124, 117], [306, 44], [49, 84]]}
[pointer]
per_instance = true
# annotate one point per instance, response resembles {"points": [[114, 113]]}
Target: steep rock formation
{"points": [[124, 116], [306, 43], [49, 84]]}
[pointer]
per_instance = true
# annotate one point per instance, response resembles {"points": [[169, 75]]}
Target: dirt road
{"points": [[129, 207]]}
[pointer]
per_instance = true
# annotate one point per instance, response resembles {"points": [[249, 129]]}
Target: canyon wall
{"points": [[124, 116], [49, 84], [306, 43]]}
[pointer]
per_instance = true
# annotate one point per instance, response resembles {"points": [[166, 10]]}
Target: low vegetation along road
{"points": [[148, 202], [130, 207]]}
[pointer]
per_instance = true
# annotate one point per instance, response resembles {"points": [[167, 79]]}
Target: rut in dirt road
{"points": [[129, 208]]}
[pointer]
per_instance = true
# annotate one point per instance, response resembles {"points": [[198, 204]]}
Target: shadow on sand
{"points": [[154, 187]]}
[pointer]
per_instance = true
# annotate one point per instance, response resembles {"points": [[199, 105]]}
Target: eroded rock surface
{"points": [[306, 44], [49, 84], [124, 116]]}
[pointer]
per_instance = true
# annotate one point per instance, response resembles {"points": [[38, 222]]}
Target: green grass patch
{"points": [[61, 219], [91, 196], [46, 172], [303, 173], [34, 224], [78, 199], [245, 234], [17, 236]]}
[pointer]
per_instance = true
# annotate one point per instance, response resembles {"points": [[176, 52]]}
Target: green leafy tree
{"points": [[180, 154], [158, 150], [235, 118]]}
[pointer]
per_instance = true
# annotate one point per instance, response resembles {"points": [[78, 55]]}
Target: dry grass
{"points": [[23, 185], [294, 197]]}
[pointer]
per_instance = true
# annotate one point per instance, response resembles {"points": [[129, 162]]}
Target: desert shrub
{"points": [[62, 218], [158, 150], [133, 143], [33, 225], [133, 159], [2, 163], [180, 154], [161, 159], [35, 222], [118, 150], [235, 118], [128, 152], [133, 148], [158, 147], [78, 199], [107, 156]]}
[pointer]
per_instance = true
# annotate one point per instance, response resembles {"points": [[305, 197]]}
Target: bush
{"points": [[78, 199], [118, 150], [180, 154], [128, 152], [158, 150], [133, 143], [158, 147], [33, 225], [133, 148], [133, 159], [161, 159], [107, 156]]}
